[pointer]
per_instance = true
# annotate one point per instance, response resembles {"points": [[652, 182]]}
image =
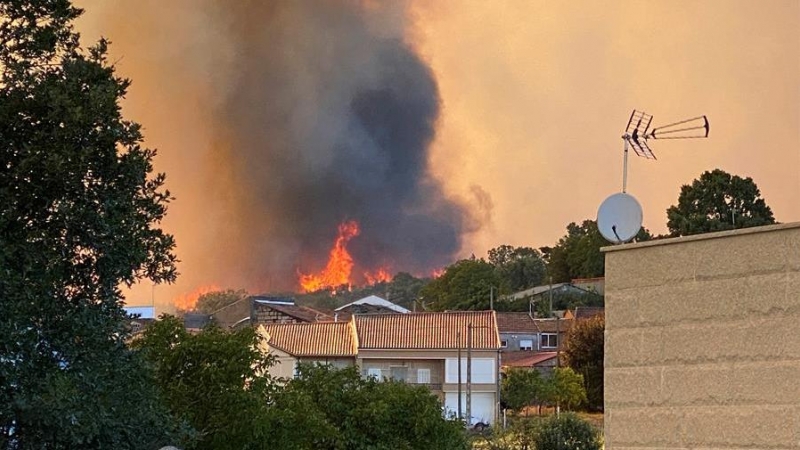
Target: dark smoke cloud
{"points": [[330, 118], [290, 117]]}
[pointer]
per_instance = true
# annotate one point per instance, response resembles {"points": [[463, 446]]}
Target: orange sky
{"points": [[535, 96]]}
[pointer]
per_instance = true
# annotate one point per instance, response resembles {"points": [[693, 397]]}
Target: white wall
{"points": [[483, 370], [482, 406]]}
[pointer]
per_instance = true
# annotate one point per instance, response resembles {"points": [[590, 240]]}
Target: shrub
{"points": [[567, 432]]}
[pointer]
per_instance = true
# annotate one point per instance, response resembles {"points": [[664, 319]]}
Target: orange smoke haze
{"points": [[529, 128]]}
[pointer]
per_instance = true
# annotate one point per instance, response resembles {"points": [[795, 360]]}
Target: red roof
{"points": [[313, 339], [515, 322], [427, 331], [526, 359]]}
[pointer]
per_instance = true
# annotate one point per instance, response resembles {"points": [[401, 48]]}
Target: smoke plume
{"points": [[314, 113]]}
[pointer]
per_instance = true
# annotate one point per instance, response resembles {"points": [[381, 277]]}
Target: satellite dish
{"points": [[619, 218]]}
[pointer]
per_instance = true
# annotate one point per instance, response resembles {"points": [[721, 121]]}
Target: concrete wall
{"points": [[702, 341]]}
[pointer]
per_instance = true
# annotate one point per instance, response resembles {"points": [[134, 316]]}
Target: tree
{"points": [[79, 208], [565, 388], [718, 201], [522, 387], [404, 289], [518, 268], [211, 302], [464, 285], [341, 402], [216, 381], [583, 352], [577, 254]]}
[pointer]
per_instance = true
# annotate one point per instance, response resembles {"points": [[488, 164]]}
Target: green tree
{"points": [[341, 402], [565, 388], [567, 432], [718, 201], [405, 288], [79, 208], [522, 387], [212, 301], [518, 268], [464, 285], [577, 254], [215, 380], [583, 352]]}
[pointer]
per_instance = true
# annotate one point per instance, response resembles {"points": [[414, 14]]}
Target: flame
{"points": [[438, 272], [187, 302], [379, 276], [340, 262]]}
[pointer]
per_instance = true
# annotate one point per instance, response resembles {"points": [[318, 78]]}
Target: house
{"points": [[371, 305], [262, 309], [331, 343], [541, 361], [431, 349], [268, 310], [139, 317], [552, 333], [517, 331]]}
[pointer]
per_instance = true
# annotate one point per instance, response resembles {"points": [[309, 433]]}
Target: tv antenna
{"points": [[638, 133], [619, 217]]}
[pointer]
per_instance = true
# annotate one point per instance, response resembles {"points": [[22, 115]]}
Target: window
{"points": [[549, 340], [374, 373], [399, 373], [503, 343], [526, 344], [424, 376]]}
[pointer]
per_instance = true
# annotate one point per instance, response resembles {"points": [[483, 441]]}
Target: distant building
{"points": [[371, 305]]}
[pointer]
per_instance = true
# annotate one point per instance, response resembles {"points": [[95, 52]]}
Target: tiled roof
{"points": [[304, 313], [526, 359], [585, 312], [313, 339], [515, 322], [553, 325], [427, 331]]}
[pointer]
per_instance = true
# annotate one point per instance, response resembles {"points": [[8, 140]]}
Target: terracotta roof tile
{"points": [[427, 331], [551, 325], [313, 339], [515, 322], [304, 313], [526, 359]]}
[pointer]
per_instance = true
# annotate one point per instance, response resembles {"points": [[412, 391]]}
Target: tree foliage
{"points": [[518, 268], [583, 352], [718, 201], [215, 380], [405, 288], [577, 254], [211, 302], [565, 388], [79, 208], [343, 410], [464, 285], [522, 387], [567, 432]]}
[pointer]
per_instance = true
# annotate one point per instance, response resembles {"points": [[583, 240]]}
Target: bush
{"points": [[567, 432]]}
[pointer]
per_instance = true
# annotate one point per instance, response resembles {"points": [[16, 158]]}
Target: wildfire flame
{"points": [[378, 276], [187, 302], [438, 272], [340, 262]]}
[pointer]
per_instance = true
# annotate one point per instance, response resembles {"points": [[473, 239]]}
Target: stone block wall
{"points": [[702, 341]]}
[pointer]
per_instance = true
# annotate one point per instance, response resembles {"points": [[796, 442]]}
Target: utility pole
{"points": [[550, 290], [469, 375], [458, 337]]}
